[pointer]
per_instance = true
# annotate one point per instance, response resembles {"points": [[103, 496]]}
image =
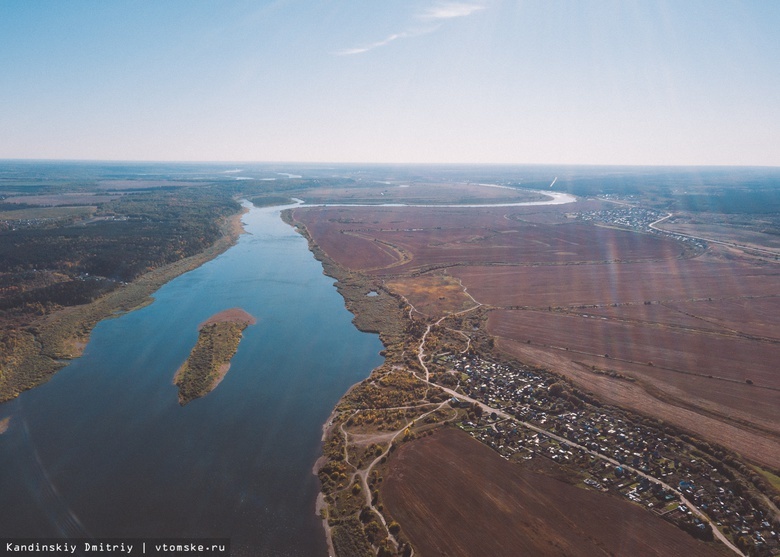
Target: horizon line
{"points": [[387, 163]]}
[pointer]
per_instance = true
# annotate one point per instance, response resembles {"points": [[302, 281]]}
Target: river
{"points": [[104, 449]]}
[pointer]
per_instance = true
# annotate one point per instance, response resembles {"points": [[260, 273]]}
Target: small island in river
{"points": [[210, 358]]}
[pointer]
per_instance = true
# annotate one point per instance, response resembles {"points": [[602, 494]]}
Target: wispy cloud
{"points": [[388, 40], [450, 10], [436, 13]]}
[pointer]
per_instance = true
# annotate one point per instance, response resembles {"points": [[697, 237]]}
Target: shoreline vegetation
{"points": [[410, 396], [49, 342], [209, 360]]}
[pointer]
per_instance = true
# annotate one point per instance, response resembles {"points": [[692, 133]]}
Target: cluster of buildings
{"points": [[639, 219], [535, 415], [16, 224], [635, 218]]}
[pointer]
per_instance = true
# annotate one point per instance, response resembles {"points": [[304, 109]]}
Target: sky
{"points": [[694, 82]]}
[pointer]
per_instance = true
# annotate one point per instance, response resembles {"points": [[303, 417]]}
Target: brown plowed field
{"points": [[523, 244], [451, 236], [760, 317], [671, 280], [672, 316], [454, 496], [727, 357]]}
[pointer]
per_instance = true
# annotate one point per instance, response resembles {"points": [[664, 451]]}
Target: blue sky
{"points": [[488, 81]]}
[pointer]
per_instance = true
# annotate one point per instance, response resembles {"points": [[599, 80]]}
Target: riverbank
{"points": [[44, 347], [382, 312]]}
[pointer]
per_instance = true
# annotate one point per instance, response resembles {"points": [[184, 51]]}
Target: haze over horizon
{"points": [[473, 81]]}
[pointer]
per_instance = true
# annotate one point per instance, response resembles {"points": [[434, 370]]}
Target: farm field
{"points": [[669, 281], [63, 199], [720, 357], [420, 193], [680, 315], [690, 330], [750, 316], [452, 494], [56, 212], [385, 241]]}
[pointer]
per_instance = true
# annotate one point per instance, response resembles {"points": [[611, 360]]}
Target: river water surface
{"points": [[104, 449]]}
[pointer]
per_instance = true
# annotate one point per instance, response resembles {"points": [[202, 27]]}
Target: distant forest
{"points": [[54, 265]]}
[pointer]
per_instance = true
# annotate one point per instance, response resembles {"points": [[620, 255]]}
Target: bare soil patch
{"points": [[434, 295], [233, 315], [455, 496]]}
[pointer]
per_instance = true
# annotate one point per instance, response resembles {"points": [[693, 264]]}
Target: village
{"points": [[609, 450], [624, 215], [640, 220]]}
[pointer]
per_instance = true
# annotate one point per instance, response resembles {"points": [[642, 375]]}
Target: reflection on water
{"points": [[104, 449]]}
